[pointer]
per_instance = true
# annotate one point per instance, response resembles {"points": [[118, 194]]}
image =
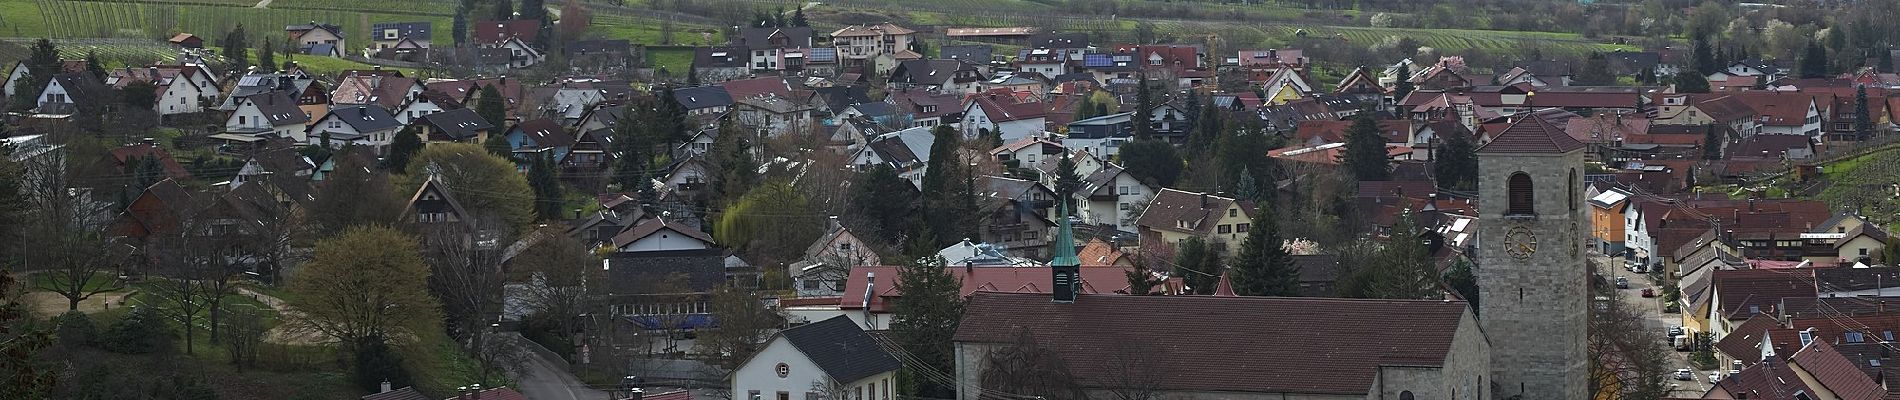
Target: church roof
{"points": [[1532, 135]]}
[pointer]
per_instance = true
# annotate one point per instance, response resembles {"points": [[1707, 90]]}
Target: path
{"points": [[543, 379], [262, 4], [282, 334], [49, 304]]}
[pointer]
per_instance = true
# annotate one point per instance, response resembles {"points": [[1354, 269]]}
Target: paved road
{"points": [[543, 379], [1658, 321]]}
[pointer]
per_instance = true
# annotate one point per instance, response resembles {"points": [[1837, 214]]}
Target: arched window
{"points": [[1575, 200], [1522, 201], [1405, 395]]}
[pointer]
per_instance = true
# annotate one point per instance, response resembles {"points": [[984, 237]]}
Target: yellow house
{"points": [[1285, 85], [1174, 216]]}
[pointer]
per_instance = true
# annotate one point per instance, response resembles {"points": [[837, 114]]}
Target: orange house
{"points": [[1606, 220]]}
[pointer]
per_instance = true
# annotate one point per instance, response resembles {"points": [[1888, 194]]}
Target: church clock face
{"points": [[1520, 243]]}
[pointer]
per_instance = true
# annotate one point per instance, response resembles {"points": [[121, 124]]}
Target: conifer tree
{"points": [[1365, 150], [1263, 267], [547, 188], [1863, 122]]}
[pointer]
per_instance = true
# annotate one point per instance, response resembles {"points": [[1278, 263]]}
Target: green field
{"points": [[675, 60], [87, 19]]}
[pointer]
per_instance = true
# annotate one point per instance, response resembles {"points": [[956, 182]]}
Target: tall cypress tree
{"points": [[1863, 122], [504, 10], [267, 56], [1814, 61], [1365, 150], [1263, 267], [1704, 58], [459, 27], [798, 17], [97, 69], [237, 49], [943, 188], [1404, 85], [1456, 163], [547, 188], [631, 147], [405, 146], [1144, 104]]}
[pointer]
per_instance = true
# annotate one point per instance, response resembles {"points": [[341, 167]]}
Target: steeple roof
{"points": [[1532, 135], [1064, 244]]}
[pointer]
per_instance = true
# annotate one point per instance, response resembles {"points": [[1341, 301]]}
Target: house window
{"points": [[1123, 190], [752, 395], [1863, 252], [240, 120], [1243, 227], [784, 396], [1226, 229], [1806, 337], [1521, 196], [1855, 337], [1232, 212]]}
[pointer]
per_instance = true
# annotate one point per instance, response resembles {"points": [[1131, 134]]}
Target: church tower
{"points": [[1065, 268], [1533, 283]]}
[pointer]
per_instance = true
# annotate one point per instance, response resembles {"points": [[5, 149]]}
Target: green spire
{"points": [[1064, 251]]}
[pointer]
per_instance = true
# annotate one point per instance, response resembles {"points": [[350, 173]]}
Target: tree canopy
{"points": [[485, 184], [1263, 267], [367, 282], [1365, 152]]}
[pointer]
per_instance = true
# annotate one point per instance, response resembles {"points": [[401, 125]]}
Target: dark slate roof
{"points": [[1545, 68], [875, 109], [720, 57], [604, 46], [974, 54], [366, 119], [500, 31], [703, 97], [321, 49], [640, 272], [460, 123], [1059, 41], [280, 108], [1532, 135], [410, 30], [759, 37], [925, 71], [839, 97], [545, 133], [1224, 344], [1318, 267], [84, 89], [841, 349]]}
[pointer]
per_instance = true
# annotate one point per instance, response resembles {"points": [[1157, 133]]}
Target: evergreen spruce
{"points": [[547, 187], [1263, 267], [1365, 150], [1863, 122], [407, 143]]}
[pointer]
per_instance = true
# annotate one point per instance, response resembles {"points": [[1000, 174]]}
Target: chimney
{"points": [[377, 67], [283, 82], [475, 391], [1203, 200], [385, 387], [149, 142], [870, 286], [461, 393]]}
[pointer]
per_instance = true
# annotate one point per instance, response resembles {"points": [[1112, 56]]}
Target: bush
{"points": [[139, 332], [376, 362], [74, 329]]}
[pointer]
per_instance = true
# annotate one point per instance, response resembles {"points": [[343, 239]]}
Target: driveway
{"points": [[544, 379]]}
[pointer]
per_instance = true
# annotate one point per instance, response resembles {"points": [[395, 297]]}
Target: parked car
{"points": [[1647, 292], [1715, 377], [1675, 331], [1622, 283], [1684, 374]]}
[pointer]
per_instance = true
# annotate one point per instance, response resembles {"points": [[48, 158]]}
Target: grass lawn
{"points": [[677, 61], [21, 18]]}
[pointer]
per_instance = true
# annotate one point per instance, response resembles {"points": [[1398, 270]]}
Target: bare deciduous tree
{"points": [[70, 251], [1026, 368], [744, 325], [1625, 354]]}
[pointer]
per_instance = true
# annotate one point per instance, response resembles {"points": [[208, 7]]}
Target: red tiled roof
{"points": [[500, 393], [749, 88], [1744, 342], [500, 31], [1228, 344], [1760, 382], [1005, 109], [129, 156], [1604, 128], [1531, 135], [1172, 209], [1835, 373], [652, 226], [1779, 108], [1762, 289], [1099, 252]]}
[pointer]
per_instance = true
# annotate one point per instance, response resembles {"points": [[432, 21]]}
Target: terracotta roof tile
{"points": [[1836, 373], [1531, 135], [1226, 344]]}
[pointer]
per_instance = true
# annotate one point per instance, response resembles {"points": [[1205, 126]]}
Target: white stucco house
{"points": [[659, 235], [1112, 196], [271, 114], [832, 359]]}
